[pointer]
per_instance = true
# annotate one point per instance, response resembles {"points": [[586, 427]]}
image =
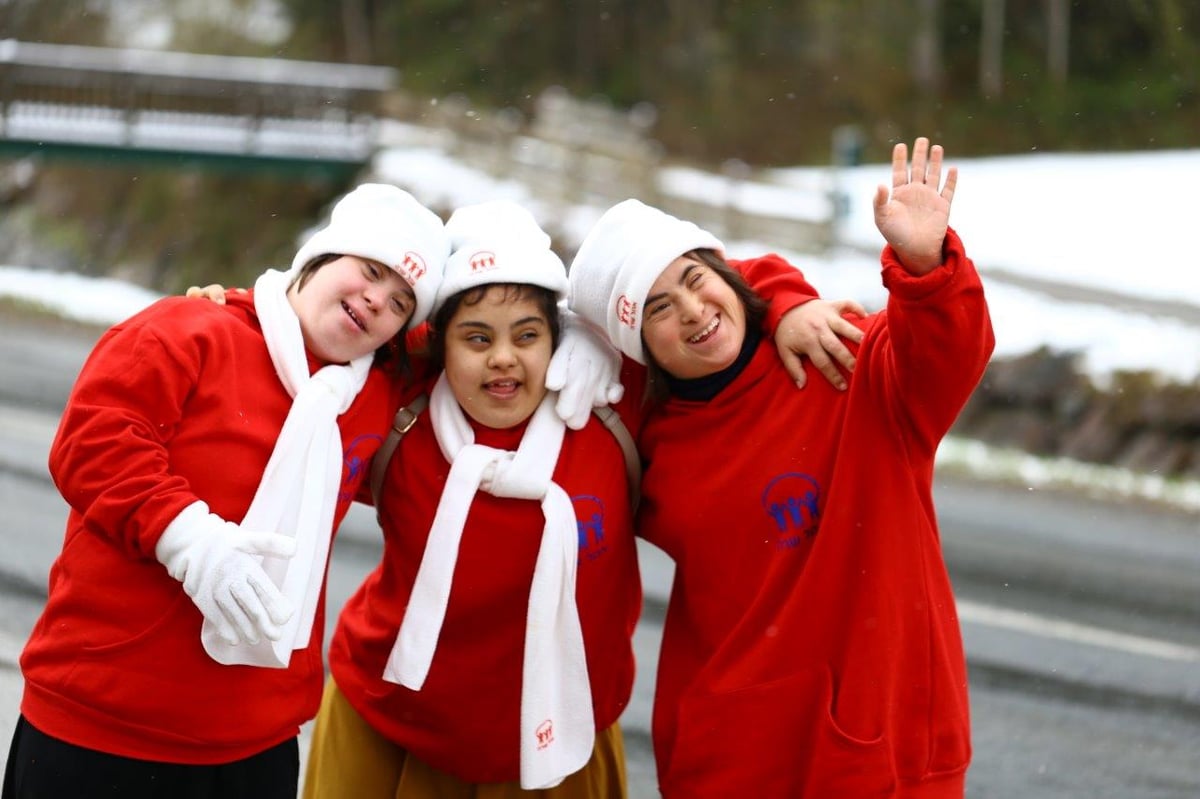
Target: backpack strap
{"points": [[633, 462], [407, 415]]}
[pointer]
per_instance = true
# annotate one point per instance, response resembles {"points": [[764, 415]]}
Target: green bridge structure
{"points": [[298, 118]]}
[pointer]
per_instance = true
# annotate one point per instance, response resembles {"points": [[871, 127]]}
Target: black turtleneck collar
{"points": [[702, 389]]}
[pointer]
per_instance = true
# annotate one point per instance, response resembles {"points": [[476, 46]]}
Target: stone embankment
{"points": [[1042, 404]]}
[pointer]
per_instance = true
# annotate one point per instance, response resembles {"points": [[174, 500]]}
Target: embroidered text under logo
{"points": [[412, 268], [627, 311], [483, 261], [792, 500], [545, 734]]}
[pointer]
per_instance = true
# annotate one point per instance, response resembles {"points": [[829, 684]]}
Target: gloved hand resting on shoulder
{"points": [[585, 370]]}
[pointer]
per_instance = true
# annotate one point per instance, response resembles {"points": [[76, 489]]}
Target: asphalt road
{"points": [[1081, 615]]}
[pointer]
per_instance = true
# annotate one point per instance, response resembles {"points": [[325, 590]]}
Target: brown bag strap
{"points": [[405, 418]]}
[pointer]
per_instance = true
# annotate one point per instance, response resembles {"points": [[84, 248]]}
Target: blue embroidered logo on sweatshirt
{"points": [[793, 503], [354, 464], [589, 521]]}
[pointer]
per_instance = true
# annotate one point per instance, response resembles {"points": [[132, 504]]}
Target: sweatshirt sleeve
{"points": [[109, 458], [939, 339], [781, 284]]}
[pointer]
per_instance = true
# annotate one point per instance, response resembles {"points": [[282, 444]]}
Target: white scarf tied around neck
{"points": [[298, 492], [557, 723]]}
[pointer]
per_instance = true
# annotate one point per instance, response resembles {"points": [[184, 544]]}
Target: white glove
{"points": [[585, 371], [217, 564]]}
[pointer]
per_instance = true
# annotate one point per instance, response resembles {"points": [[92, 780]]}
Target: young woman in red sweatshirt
{"points": [[207, 453], [491, 647], [811, 647]]}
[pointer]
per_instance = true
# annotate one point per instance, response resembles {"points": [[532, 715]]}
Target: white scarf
{"points": [[298, 492], [557, 724]]}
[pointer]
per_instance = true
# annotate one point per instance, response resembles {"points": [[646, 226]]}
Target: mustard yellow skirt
{"points": [[348, 759]]}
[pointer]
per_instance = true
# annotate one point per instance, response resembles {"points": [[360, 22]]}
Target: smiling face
{"points": [[349, 307], [694, 323], [496, 354]]}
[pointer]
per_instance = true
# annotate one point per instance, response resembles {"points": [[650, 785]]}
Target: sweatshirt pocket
{"points": [[778, 739]]}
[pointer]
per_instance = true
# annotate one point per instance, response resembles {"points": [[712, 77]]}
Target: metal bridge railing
{"points": [[259, 107]]}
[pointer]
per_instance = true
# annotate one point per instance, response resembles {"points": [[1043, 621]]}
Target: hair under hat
{"points": [[618, 262], [386, 224], [499, 242]]}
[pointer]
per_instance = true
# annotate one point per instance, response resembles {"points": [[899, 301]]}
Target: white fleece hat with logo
{"points": [[618, 262], [386, 224], [499, 242]]}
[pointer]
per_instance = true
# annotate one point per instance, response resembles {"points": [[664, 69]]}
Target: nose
{"points": [[691, 307], [376, 296], [502, 356]]}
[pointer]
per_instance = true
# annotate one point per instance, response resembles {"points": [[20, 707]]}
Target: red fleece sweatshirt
{"points": [[179, 403], [465, 720], [811, 645]]}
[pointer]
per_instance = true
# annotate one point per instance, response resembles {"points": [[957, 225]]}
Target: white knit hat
{"points": [[618, 262], [499, 242], [386, 224]]}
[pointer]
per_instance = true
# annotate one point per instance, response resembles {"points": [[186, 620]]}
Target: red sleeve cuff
{"points": [[901, 282]]}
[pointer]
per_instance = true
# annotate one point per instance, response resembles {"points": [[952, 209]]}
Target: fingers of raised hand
{"points": [[951, 184], [919, 160], [933, 170], [899, 165]]}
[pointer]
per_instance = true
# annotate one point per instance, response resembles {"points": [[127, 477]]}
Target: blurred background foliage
{"points": [[757, 80], [766, 81]]}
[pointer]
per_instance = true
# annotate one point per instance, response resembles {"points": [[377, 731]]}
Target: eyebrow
{"points": [[526, 320], [474, 325], [687, 270]]}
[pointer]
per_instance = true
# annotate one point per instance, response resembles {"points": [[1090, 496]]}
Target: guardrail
{"points": [[70, 95]]}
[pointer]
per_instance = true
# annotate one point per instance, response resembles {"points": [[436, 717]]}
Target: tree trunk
{"points": [[927, 47], [357, 31], [1058, 38], [991, 50]]}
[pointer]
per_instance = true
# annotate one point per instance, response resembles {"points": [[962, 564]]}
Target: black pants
{"points": [[42, 767]]}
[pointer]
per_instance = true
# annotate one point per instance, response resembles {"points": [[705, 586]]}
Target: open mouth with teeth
{"points": [[354, 317], [502, 388], [707, 332]]}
